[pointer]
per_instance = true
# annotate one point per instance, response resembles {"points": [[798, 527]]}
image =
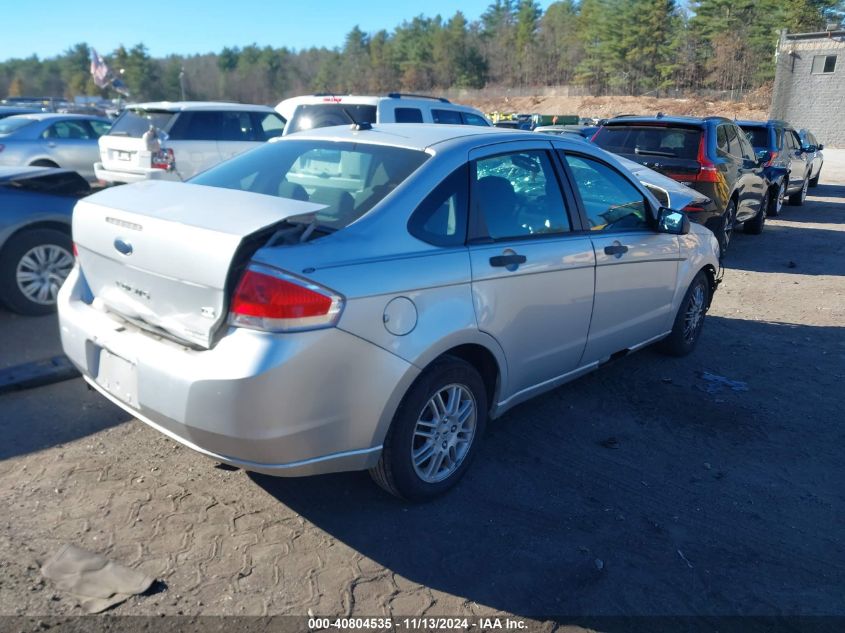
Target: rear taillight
{"points": [[274, 301], [707, 170], [75, 250], [164, 159], [772, 157]]}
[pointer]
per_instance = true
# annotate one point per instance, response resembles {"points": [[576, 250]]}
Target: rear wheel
{"points": [[776, 199], [797, 198], [755, 225], [726, 227], [435, 432], [33, 266], [689, 321]]}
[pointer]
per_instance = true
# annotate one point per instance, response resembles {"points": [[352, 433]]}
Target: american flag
{"points": [[99, 70]]}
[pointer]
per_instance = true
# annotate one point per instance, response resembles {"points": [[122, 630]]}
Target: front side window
{"points": [[100, 127], [348, 179], [237, 126], [824, 64], [610, 200], [441, 218], [518, 195], [271, 125]]}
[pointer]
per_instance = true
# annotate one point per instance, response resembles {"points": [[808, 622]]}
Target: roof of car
{"points": [[418, 136], [679, 119], [773, 122], [49, 116], [179, 106]]}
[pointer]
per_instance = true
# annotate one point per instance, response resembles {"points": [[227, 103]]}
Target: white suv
{"points": [[324, 110], [191, 136]]}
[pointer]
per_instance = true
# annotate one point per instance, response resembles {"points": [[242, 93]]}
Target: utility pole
{"points": [[182, 82]]}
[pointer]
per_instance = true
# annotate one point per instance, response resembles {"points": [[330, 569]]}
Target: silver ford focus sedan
{"points": [[368, 298]]}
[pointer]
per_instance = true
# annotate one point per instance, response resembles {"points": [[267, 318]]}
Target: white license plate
{"points": [[119, 377], [124, 156]]}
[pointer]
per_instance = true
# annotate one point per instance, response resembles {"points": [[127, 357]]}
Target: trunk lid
{"points": [[120, 153], [161, 253]]}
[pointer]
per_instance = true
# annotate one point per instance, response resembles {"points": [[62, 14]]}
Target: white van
{"points": [[324, 110], [192, 136]]}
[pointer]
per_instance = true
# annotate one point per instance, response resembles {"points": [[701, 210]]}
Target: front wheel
{"points": [[435, 432], [689, 320], [814, 181], [776, 201], [724, 231]]}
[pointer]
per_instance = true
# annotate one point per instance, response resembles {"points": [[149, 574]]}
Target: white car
{"points": [[191, 137], [324, 110]]}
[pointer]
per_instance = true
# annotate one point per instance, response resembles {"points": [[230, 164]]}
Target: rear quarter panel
{"points": [[25, 209]]}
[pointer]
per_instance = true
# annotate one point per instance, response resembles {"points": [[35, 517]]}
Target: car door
{"points": [[797, 159], [636, 267], [745, 180], [754, 181], [238, 133], [532, 267], [71, 144]]}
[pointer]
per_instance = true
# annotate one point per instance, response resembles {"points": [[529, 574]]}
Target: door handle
{"points": [[507, 260], [616, 249], [51, 144]]}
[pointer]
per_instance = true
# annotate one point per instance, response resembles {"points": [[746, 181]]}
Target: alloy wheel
{"points": [[780, 199], [41, 272], [804, 189], [694, 316], [444, 433]]}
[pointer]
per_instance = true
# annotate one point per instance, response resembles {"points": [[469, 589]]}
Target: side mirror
{"points": [[808, 149], [820, 146], [672, 222]]}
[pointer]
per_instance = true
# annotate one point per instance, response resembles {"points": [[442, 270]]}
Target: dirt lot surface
{"points": [[641, 489], [752, 108]]}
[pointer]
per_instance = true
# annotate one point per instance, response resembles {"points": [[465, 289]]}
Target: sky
{"points": [[48, 27]]}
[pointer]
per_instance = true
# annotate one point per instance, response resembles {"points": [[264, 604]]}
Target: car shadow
{"points": [[653, 486]]}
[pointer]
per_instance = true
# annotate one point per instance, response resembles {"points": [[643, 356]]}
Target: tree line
{"points": [[607, 46]]}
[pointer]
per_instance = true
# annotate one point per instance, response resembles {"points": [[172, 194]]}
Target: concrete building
{"points": [[809, 89]]}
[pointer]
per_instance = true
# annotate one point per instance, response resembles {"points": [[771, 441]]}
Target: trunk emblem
{"points": [[122, 246]]}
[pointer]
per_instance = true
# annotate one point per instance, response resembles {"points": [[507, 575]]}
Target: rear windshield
{"points": [[134, 122], [67, 183], [13, 124], [308, 117], [672, 142], [757, 136], [348, 178]]}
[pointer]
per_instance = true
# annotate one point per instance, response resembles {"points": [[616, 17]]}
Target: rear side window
{"points": [[518, 195], [348, 179], [308, 117], [269, 125], [757, 136], [473, 119], [645, 140], [611, 201], [134, 122], [722, 139], [408, 115], [198, 126], [441, 219], [448, 117]]}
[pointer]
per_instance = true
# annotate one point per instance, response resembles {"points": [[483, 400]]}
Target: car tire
{"points": [[724, 230], [755, 225], [418, 446], [797, 198], [44, 252], [814, 181], [689, 321], [43, 163], [777, 196]]}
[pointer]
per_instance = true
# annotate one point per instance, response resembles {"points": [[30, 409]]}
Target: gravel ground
{"points": [[642, 489]]}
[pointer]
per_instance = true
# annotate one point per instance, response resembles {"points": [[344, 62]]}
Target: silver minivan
{"points": [[367, 297]]}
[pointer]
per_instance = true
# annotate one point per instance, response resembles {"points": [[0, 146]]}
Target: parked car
{"points": [[813, 150], [52, 140], [584, 131], [7, 111], [324, 110], [357, 312], [710, 154], [35, 246], [190, 136], [787, 163]]}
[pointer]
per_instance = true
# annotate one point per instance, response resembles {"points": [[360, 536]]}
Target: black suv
{"points": [[788, 161], [710, 154]]}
